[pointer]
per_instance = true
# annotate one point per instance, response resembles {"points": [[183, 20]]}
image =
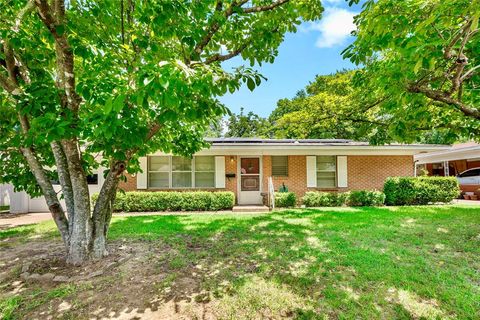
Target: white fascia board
{"points": [[318, 150], [449, 155]]}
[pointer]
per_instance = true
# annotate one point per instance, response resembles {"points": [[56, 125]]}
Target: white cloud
{"points": [[335, 27]]}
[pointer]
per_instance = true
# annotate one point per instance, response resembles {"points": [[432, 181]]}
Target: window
{"points": [[179, 172], [92, 178], [204, 172], [326, 171], [279, 166], [159, 172]]}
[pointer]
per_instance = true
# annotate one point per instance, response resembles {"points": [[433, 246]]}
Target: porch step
{"points": [[251, 208]]}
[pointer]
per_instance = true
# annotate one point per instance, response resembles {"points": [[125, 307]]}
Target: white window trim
{"points": [[170, 173]]}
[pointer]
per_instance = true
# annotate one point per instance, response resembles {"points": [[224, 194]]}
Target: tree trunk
{"points": [[81, 225]]}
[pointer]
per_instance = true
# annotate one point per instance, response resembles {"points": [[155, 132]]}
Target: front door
{"points": [[250, 180]]}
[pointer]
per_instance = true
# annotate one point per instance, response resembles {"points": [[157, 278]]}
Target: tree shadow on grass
{"points": [[333, 262]]}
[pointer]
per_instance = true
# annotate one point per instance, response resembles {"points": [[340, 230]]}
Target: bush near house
{"points": [[358, 198], [365, 198], [324, 199], [172, 201], [285, 199], [420, 190]]}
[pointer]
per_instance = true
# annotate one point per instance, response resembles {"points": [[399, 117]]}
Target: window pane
{"points": [[326, 163], [181, 164], [250, 165], [181, 180], [92, 178], [158, 180], [204, 163], [326, 180], [205, 179], [280, 166], [158, 164]]}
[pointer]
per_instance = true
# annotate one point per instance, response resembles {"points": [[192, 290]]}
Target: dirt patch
{"points": [[132, 282]]}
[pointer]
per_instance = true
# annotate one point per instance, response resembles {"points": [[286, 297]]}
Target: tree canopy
{"points": [[420, 60], [86, 83], [246, 125]]}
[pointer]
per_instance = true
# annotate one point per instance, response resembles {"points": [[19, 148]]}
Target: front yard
{"points": [[345, 263]]}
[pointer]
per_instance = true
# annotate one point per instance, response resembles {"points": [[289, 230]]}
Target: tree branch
{"points": [[447, 99], [65, 61], [265, 7]]}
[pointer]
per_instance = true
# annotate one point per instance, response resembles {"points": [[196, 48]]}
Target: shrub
{"points": [[172, 201], [285, 199], [420, 190], [324, 199], [365, 198]]}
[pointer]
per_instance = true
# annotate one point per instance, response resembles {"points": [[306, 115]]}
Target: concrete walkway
{"points": [[14, 220]]}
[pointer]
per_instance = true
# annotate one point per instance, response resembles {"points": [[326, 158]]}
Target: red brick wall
{"points": [[231, 167], [297, 175], [130, 184], [370, 172]]}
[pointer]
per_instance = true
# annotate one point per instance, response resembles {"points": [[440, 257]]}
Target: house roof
{"points": [[258, 146], [461, 151], [315, 142]]}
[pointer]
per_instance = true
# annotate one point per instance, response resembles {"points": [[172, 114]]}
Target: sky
{"points": [[314, 50]]}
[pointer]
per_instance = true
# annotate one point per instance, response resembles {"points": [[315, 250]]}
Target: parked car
{"points": [[469, 177]]}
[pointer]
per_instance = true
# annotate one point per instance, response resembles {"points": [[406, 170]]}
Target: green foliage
{"points": [[246, 125], [324, 199], [172, 201], [365, 198], [334, 106], [285, 199], [420, 190], [420, 63], [158, 67]]}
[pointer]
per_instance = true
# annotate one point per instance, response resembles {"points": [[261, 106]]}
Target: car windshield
{"points": [[470, 173]]}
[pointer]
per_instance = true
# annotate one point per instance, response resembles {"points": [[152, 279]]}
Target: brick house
{"points": [[243, 166]]}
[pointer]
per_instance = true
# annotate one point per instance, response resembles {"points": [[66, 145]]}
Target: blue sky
{"points": [[314, 49]]}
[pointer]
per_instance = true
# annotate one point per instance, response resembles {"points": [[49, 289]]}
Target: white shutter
{"points": [[342, 171], [220, 172], [311, 171], [142, 176]]}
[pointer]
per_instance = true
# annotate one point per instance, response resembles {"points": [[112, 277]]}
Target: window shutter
{"points": [[311, 171], [342, 171], [220, 172], [142, 176]]}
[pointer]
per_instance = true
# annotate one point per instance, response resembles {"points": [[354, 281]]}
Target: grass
{"points": [[345, 263]]}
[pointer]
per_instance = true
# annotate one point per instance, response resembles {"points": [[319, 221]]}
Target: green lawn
{"points": [[346, 263]]}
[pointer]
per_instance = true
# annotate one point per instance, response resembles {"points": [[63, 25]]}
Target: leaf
{"points": [[118, 103], [107, 108], [250, 84], [418, 65]]}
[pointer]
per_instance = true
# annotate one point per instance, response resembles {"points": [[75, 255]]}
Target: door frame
{"points": [[259, 200]]}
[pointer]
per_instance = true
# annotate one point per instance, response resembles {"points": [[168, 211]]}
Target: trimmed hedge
{"points": [[336, 199], [285, 199], [401, 191], [172, 201], [324, 199], [366, 198]]}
